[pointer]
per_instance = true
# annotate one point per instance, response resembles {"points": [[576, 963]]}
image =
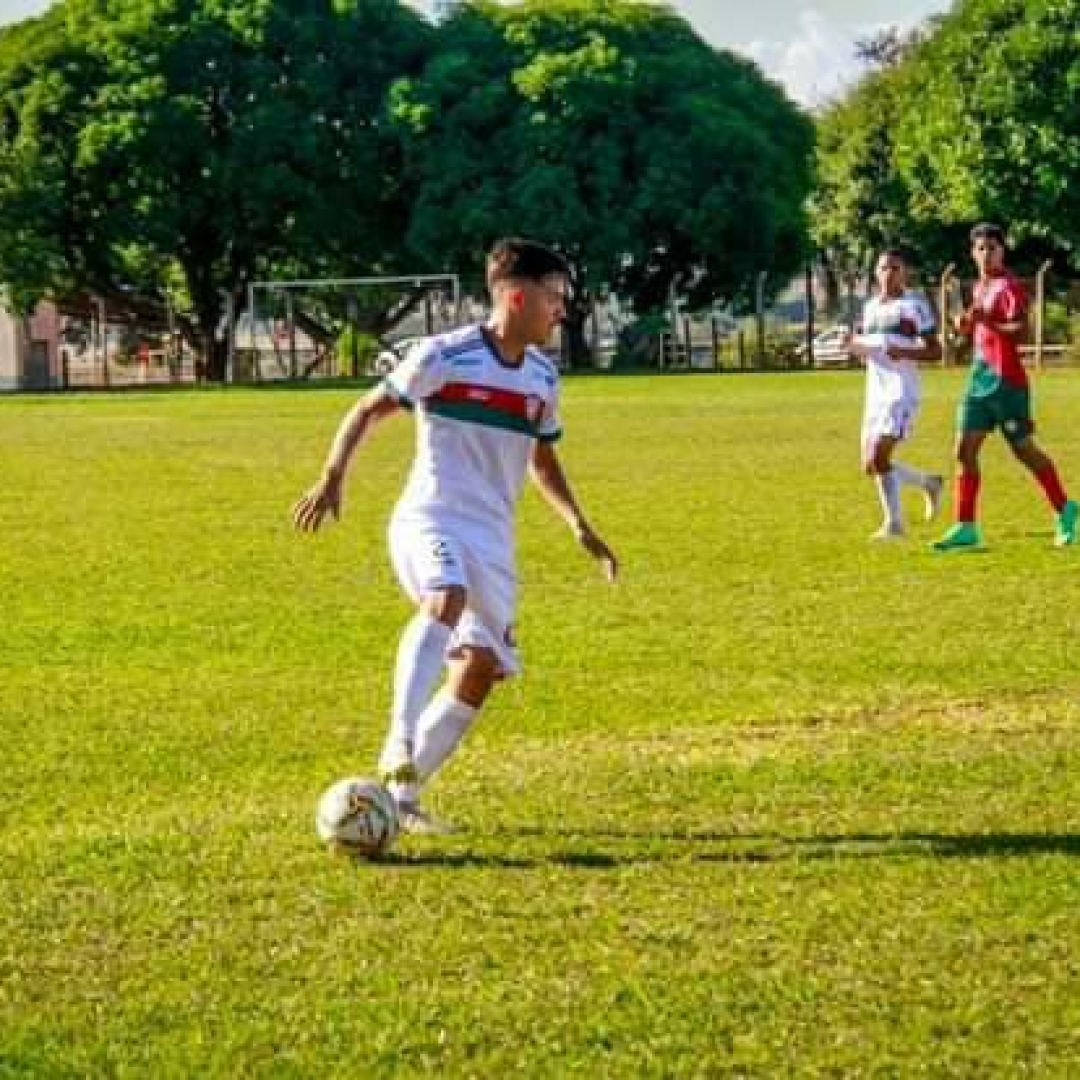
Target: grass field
{"points": [[783, 803]]}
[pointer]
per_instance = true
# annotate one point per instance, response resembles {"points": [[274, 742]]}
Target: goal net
{"points": [[339, 327]]}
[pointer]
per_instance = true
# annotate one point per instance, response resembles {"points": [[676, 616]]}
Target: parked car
{"points": [[829, 347]]}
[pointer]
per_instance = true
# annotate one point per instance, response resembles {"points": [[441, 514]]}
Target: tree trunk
{"points": [[215, 358]]}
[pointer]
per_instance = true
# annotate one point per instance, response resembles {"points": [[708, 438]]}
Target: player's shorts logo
{"points": [[1011, 426], [441, 553]]}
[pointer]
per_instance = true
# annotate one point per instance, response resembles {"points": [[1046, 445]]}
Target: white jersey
{"points": [[477, 419], [893, 320], [892, 385]]}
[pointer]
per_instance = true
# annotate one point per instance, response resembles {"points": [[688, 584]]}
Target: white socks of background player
{"points": [[905, 474], [889, 484], [420, 658], [889, 493], [439, 730]]}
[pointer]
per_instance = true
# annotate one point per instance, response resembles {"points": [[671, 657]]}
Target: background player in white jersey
{"points": [[486, 404], [898, 330]]}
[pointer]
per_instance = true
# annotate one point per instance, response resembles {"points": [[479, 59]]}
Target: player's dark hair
{"points": [[986, 230], [513, 258], [895, 253]]}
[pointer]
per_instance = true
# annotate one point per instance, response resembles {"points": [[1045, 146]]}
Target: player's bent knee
{"points": [[446, 605], [473, 673]]}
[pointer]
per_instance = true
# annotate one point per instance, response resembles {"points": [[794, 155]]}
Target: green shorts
{"points": [[1007, 407]]}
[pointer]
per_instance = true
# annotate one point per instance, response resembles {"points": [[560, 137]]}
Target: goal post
{"points": [[322, 327]]}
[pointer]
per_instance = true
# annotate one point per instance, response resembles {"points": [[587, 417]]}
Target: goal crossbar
{"points": [[332, 283], [446, 283]]}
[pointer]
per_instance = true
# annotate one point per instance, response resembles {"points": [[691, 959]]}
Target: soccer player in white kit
{"points": [[486, 402], [898, 330]]}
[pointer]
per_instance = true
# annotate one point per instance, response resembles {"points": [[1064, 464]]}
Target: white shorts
{"points": [[892, 418], [427, 557]]}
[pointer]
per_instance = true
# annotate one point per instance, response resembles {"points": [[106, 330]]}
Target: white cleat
{"points": [[418, 822], [935, 488], [888, 533]]}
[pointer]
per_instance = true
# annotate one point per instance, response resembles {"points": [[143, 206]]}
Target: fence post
{"points": [[759, 316], [1040, 313], [673, 313], [291, 316], [103, 339], [230, 340], [943, 312], [809, 315]]}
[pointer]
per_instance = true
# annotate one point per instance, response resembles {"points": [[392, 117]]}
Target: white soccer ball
{"points": [[357, 816]]}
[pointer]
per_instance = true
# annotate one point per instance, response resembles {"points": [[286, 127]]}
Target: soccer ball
{"points": [[358, 817]]}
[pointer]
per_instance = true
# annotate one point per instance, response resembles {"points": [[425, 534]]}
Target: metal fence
{"points": [[802, 328]]}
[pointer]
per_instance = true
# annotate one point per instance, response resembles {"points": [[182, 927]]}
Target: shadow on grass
{"points": [[659, 848], [969, 846]]}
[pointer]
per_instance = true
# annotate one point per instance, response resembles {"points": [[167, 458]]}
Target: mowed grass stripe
{"points": [[783, 803]]}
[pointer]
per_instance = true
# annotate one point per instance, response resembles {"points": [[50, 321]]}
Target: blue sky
{"points": [[805, 44]]}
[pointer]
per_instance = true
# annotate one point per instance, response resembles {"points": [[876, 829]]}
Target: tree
{"points": [[51, 238], [972, 118], [998, 133], [860, 204], [866, 198], [226, 138], [609, 129]]}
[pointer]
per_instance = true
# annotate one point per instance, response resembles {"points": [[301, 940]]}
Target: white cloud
{"points": [[816, 61]]}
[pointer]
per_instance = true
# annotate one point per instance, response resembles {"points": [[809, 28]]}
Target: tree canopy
{"points": [[999, 135], [975, 118], [218, 139], [611, 129], [192, 146]]}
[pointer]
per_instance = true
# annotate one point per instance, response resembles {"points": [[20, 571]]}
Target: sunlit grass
{"points": [[783, 803]]}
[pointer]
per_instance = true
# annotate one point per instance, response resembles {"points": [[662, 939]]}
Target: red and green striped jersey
{"points": [[477, 420], [1002, 297]]}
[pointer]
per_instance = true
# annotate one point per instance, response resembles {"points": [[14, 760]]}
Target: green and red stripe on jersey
{"points": [[491, 406]]}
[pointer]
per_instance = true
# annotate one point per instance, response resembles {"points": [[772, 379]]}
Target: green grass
{"points": [[783, 803]]}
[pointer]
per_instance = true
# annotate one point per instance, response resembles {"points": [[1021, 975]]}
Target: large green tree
{"points": [[860, 203], [995, 124], [221, 139], [608, 128], [865, 197], [973, 118], [51, 228]]}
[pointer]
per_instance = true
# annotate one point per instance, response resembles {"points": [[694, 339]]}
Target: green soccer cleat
{"points": [[1065, 533], [963, 536]]}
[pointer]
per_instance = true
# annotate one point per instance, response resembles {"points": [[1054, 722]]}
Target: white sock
{"points": [[441, 727], [889, 494], [420, 658], [905, 474]]}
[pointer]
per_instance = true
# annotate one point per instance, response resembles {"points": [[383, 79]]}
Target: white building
{"points": [[30, 356]]}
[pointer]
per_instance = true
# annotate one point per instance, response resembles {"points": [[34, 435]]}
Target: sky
{"points": [[806, 45]]}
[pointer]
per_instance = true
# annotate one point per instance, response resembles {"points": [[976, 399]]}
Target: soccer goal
{"points": [[329, 327]]}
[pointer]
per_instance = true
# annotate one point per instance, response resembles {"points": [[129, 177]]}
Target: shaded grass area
{"points": [[781, 804]]}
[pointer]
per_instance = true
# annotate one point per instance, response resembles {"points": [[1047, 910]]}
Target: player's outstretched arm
{"points": [[547, 474], [326, 496]]}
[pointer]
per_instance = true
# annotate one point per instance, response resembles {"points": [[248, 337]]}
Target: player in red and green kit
{"points": [[998, 395]]}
